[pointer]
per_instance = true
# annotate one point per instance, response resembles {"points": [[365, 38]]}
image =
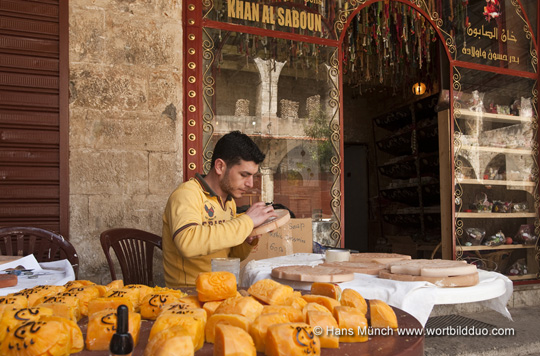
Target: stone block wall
{"points": [[125, 126]]}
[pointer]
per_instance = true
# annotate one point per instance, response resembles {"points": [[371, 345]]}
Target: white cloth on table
{"points": [[48, 273], [416, 298]]}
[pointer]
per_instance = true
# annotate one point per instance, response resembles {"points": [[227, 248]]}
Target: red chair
{"points": [[134, 250], [45, 245]]}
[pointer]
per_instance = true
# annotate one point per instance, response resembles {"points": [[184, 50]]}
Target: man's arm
{"points": [[191, 237]]}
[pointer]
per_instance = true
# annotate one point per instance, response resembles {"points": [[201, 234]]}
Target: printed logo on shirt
{"points": [[212, 223], [209, 211]]}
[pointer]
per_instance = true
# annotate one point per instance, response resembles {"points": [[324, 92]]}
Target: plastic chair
{"points": [[45, 245], [134, 250]]}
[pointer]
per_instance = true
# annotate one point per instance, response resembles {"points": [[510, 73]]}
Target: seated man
{"points": [[200, 220]]}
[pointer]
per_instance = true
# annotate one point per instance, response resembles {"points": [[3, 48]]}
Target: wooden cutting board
{"points": [[8, 280], [273, 223], [371, 268], [318, 273], [447, 282], [377, 257]]}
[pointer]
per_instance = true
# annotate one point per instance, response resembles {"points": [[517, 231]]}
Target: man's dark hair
{"points": [[236, 146]]}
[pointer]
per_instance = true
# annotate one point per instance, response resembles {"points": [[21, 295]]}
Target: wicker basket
{"points": [[498, 261]]}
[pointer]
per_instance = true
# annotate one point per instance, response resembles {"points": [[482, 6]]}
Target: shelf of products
{"points": [[492, 149], [408, 175]]}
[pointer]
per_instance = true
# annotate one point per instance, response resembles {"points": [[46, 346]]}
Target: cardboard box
{"points": [[294, 237]]}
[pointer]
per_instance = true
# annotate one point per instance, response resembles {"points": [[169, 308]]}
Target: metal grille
{"points": [[455, 321]]}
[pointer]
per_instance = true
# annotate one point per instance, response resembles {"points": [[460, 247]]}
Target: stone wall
{"points": [[125, 120]]}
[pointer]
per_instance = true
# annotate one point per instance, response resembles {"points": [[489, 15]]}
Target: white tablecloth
{"points": [[51, 273], [416, 298]]}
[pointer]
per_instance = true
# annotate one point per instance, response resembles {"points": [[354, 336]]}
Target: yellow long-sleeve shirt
{"points": [[198, 226]]}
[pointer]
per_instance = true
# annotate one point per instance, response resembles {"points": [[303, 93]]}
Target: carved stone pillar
{"points": [[267, 184], [267, 92]]}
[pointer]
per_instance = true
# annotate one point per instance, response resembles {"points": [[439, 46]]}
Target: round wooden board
{"points": [[468, 280], [357, 267], [271, 224], [8, 280], [305, 273]]}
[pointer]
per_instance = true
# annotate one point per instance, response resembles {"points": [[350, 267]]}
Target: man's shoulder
{"points": [[190, 185]]}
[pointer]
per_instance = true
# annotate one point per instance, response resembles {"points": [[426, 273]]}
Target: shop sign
{"points": [[479, 33], [275, 15]]}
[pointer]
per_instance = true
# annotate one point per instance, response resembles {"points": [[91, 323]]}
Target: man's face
{"points": [[238, 179]]}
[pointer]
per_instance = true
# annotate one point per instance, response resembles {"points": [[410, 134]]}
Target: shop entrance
{"points": [[387, 50]]}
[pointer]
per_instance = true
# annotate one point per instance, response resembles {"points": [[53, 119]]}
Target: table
{"points": [[393, 345], [55, 273], [417, 298]]}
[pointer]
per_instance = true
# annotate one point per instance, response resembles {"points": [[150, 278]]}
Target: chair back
{"points": [[45, 245], [134, 250]]}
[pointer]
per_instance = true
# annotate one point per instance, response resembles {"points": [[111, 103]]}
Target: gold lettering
{"points": [[303, 20], [230, 8], [280, 18], [288, 21], [240, 9], [247, 12], [255, 12], [311, 22], [295, 20], [266, 14], [318, 23]]}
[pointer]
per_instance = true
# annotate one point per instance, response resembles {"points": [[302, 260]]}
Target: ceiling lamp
{"points": [[419, 88]]}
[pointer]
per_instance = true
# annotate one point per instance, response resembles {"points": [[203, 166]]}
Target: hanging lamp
{"points": [[419, 88]]}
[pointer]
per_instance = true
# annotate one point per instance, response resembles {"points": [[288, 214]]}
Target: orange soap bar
{"points": [[327, 302], [259, 327], [351, 298], [271, 292], [233, 341], [292, 339], [102, 326], [349, 318], [229, 319], [175, 340], [212, 286], [331, 290], [382, 315], [246, 306]]}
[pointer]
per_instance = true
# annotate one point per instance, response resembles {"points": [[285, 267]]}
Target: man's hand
{"points": [[260, 212], [253, 240]]}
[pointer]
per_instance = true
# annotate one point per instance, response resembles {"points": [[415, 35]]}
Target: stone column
{"points": [[267, 92], [267, 184]]}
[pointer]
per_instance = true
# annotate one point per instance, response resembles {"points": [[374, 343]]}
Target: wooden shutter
{"points": [[34, 114]]}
